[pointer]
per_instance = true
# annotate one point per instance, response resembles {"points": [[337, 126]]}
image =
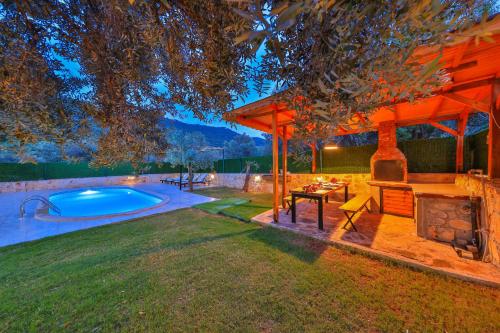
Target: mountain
{"points": [[215, 135]]}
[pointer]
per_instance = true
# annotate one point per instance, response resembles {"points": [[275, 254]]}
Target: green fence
{"points": [[436, 155], [265, 164], [476, 151], [424, 156], [346, 160], [431, 155], [18, 171]]}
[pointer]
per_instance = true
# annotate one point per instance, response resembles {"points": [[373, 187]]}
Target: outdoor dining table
{"points": [[318, 195]]}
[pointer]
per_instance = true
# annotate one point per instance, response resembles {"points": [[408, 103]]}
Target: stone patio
{"points": [[385, 236]]}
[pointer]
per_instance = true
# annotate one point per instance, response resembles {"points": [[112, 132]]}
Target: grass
{"points": [[235, 203], [190, 270], [219, 206]]}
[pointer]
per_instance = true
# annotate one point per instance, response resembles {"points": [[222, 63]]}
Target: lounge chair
{"points": [[201, 179], [165, 180], [185, 182], [169, 180], [197, 179], [184, 179], [174, 180]]}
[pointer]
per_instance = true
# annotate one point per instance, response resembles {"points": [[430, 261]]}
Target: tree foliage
{"points": [[337, 59], [66, 66], [189, 149], [240, 146]]}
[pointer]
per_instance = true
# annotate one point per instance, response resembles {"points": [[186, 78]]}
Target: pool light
{"points": [[89, 192]]}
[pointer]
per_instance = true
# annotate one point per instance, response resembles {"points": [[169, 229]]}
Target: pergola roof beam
{"points": [[474, 104], [437, 108], [444, 128], [265, 113], [420, 121], [461, 67]]}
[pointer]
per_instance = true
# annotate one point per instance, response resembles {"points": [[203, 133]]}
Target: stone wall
{"points": [[444, 219], [358, 182], [489, 191], [31, 185]]}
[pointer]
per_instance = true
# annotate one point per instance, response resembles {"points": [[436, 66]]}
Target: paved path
{"points": [[15, 230]]}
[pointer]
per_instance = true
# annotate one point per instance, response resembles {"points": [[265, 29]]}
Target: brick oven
{"points": [[388, 163], [389, 175]]}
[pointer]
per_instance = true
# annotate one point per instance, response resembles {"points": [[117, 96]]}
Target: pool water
{"points": [[101, 201]]}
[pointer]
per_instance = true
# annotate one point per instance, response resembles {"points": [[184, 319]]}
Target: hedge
{"points": [[429, 155]]}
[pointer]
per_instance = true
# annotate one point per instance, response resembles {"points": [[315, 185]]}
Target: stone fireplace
{"points": [[388, 163]]}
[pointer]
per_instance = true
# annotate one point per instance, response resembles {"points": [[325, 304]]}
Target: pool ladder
{"points": [[36, 197]]}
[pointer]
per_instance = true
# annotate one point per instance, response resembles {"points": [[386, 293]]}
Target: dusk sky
{"points": [[252, 97], [188, 117]]}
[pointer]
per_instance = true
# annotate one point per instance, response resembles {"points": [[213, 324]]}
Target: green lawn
{"points": [[193, 271], [255, 203]]}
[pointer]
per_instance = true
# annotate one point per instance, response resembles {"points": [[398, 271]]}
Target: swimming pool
{"points": [[100, 202]]}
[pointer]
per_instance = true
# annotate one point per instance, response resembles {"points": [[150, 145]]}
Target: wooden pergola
{"points": [[474, 71]]}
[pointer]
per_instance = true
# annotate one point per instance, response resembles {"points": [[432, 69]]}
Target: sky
{"points": [[252, 96], [188, 117]]}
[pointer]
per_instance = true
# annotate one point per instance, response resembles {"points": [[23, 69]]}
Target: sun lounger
{"points": [[174, 180], [197, 179], [183, 180], [201, 179]]}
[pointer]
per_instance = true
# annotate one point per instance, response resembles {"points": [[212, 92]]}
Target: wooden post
{"points": [[284, 190], [275, 167], [313, 161], [494, 133], [460, 154], [461, 125]]}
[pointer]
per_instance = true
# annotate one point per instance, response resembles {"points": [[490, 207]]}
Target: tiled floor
{"points": [[15, 230], [386, 235]]}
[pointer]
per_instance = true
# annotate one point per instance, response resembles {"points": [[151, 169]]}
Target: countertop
{"points": [[442, 189]]}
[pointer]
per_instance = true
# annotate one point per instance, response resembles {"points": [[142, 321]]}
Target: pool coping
{"points": [[42, 210]]}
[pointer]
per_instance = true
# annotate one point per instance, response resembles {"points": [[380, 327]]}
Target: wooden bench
{"points": [[353, 206]]}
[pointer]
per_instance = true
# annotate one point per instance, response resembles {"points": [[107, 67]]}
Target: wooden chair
{"points": [[354, 206]]}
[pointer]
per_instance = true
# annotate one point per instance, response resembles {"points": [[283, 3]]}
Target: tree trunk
{"points": [[247, 178], [190, 178]]}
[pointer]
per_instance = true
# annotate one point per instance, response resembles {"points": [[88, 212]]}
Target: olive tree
{"points": [[240, 146], [189, 150], [335, 60], [67, 66]]}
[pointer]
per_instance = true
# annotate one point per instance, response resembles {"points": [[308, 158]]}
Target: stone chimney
{"points": [[388, 163]]}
